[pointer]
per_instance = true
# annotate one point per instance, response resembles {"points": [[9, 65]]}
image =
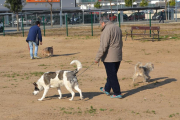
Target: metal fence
{"points": [[8, 23]]}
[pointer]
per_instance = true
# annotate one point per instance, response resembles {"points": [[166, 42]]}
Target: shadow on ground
{"points": [[86, 95], [149, 86], [63, 55]]}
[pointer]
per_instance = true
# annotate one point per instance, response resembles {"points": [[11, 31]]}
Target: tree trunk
{"points": [[17, 19], [51, 16], [166, 9], [111, 12]]}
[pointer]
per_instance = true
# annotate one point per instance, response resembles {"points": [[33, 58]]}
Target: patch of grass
{"points": [[43, 65], [123, 78], [79, 112], [172, 115], [5, 87], [91, 110], [136, 84], [166, 36], [128, 61], [150, 112], [174, 38], [62, 108], [67, 112], [144, 41], [145, 52], [37, 73], [154, 112], [132, 112], [101, 109], [13, 75], [135, 112]]}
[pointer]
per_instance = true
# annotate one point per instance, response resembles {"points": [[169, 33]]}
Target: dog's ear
{"points": [[34, 84]]}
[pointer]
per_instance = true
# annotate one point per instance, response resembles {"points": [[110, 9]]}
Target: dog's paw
{"points": [[71, 99], [146, 82], [59, 97], [82, 98], [40, 99]]}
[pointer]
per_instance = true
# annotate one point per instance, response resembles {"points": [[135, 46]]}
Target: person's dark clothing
{"points": [[161, 17], [112, 80], [72, 19], [34, 34]]}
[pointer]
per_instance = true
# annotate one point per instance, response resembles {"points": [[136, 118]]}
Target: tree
{"points": [[50, 3], [172, 3], [129, 3], [97, 4], [14, 6], [144, 3]]}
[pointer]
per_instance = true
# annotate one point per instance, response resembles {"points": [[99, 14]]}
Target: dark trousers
{"points": [[161, 19], [112, 80]]}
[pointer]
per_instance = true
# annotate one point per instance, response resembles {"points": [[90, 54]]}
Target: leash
{"points": [[98, 65], [86, 69]]}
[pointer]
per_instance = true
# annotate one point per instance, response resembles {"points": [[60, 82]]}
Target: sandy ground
{"points": [[157, 100]]}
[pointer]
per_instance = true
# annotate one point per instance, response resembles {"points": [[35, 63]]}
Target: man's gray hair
{"points": [[104, 19]]}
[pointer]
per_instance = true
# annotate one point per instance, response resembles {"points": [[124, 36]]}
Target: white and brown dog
{"points": [[143, 71], [58, 79]]}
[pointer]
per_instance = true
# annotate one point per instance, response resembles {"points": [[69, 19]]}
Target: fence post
{"points": [[44, 25], [119, 20], [150, 23], [66, 25], [91, 24], [3, 27], [22, 25]]}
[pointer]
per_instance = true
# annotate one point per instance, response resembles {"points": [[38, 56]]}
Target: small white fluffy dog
{"points": [[143, 71], [58, 79]]}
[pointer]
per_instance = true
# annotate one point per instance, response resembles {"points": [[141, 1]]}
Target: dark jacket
{"points": [[162, 14], [34, 34], [110, 49]]}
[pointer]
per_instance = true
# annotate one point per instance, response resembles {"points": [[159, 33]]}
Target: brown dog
{"points": [[48, 51]]}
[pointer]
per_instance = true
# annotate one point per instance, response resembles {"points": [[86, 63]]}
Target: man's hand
{"points": [[40, 43]]}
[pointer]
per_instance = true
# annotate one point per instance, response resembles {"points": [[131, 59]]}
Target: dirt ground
{"points": [[157, 100]]}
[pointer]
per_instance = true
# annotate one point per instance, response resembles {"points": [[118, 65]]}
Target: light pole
{"points": [[61, 13], [168, 10], [121, 3], [117, 10], [176, 10]]}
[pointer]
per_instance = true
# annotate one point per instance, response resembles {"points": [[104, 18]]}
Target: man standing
{"points": [[162, 16], [73, 19], [110, 53], [34, 37]]}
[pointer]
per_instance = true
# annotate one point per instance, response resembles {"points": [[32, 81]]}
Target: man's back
{"points": [[111, 39], [33, 32]]}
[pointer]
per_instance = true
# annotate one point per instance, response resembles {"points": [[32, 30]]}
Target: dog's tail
{"points": [[139, 64], [78, 63]]}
